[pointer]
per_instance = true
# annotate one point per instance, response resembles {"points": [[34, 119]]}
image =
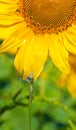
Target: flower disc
{"points": [[49, 15]]}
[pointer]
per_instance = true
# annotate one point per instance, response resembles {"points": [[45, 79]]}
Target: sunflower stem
{"points": [[30, 105]]}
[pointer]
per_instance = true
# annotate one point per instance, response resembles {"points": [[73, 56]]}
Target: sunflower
{"points": [[36, 29]]}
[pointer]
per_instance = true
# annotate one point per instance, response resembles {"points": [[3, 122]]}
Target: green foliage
{"points": [[52, 107]]}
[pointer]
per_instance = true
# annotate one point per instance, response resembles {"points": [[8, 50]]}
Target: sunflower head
{"points": [[36, 29]]}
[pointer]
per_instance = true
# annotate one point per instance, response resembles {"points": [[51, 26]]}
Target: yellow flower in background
{"points": [[36, 29]]}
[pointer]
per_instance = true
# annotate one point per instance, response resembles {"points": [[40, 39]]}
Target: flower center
{"points": [[49, 15]]}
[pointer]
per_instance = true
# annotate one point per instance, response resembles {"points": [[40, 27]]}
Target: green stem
{"points": [[29, 107], [71, 125]]}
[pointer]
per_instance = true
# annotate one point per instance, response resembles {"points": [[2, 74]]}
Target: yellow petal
{"points": [[69, 39], [58, 53], [72, 29], [8, 23], [16, 39], [9, 20], [5, 32], [62, 81], [8, 6], [8, 17], [32, 56], [72, 84], [9, 1]]}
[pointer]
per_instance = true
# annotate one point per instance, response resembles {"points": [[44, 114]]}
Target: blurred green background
{"points": [[52, 107]]}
